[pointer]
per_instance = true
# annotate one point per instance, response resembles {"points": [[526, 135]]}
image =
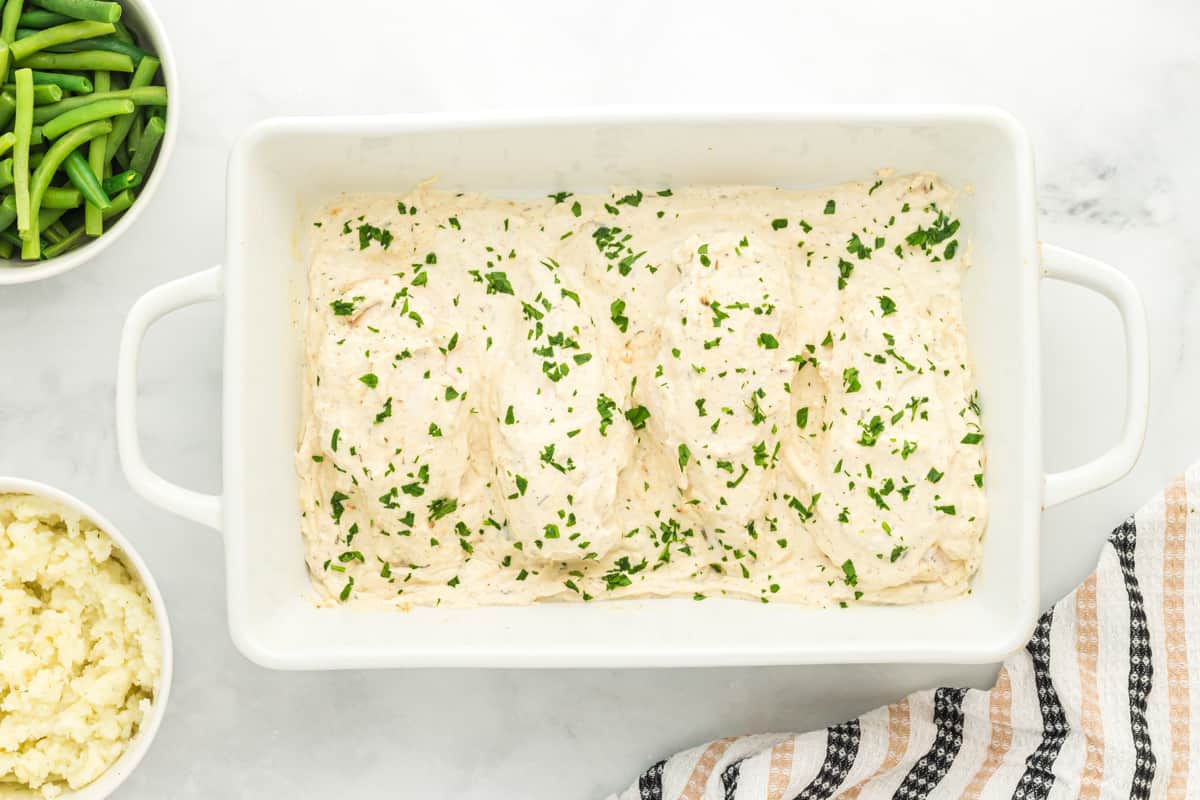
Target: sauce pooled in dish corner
{"points": [[712, 391]]}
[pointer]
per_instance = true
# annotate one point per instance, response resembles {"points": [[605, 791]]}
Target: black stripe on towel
{"points": [[650, 784], [729, 779], [841, 748], [1038, 777], [933, 766], [1141, 671]]}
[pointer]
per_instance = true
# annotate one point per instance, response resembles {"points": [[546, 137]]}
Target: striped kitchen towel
{"points": [[1099, 704]]}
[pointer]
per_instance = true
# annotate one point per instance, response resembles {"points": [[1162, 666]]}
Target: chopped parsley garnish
{"points": [[684, 455], [887, 305], [856, 247], [605, 406], [779, 224], [637, 417], [385, 413], [336, 508], [369, 233], [845, 268], [767, 341], [369, 379], [850, 573], [441, 507], [497, 283], [831, 207], [617, 314]]}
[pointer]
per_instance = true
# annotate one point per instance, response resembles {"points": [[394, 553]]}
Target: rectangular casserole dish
{"points": [[282, 170]]}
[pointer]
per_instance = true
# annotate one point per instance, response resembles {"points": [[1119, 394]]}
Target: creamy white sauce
{"points": [[735, 391]]}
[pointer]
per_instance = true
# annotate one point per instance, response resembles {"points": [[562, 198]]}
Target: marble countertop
{"points": [[1106, 89]]}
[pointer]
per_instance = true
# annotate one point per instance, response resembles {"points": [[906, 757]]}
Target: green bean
{"points": [[83, 9], [59, 197], [142, 77], [12, 239], [143, 154], [142, 96], [114, 183], [10, 18], [59, 34], [43, 93], [6, 249], [110, 43], [7, 140], [8, 211], [64, 244], [123, 33], [23, 127], [101, 109], [120, 204], [41, 19], [84, 179], [88, 60], [52, 233], [135, 133], [93, 221], [6, 173], [63, 80], [49, 216], [40, 182], [8, 108]]}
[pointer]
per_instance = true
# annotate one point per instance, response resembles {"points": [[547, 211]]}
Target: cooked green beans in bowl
{"points": [[84, 122]]}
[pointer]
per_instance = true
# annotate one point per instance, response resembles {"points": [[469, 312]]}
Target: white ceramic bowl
{"points": [[112, 778], [140, 17]]}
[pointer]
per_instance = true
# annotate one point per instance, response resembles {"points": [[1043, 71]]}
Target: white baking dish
{"points": [[281, 170]]}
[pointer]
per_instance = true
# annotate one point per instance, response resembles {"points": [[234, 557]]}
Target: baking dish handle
{"points": [[150, 307], [1065, 265]]}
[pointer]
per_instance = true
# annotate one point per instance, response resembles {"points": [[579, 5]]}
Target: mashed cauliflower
{"points": [[80, 652]]}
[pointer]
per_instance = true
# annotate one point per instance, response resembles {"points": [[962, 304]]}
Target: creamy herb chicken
{"points": [[711, 391]]}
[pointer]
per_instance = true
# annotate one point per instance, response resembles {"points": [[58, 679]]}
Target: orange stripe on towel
{"points": [[704, 767], [899, 730], [1091, 720], [1175, 625], [780, 774], [1000, 717]]}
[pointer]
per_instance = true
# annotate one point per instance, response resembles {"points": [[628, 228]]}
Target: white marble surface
{"points": [[1106, 88]]}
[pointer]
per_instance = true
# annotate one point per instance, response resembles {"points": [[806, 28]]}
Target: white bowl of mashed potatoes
{"points": [[85, 648]]}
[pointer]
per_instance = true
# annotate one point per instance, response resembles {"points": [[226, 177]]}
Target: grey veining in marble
{"points": [[1106, 88]]}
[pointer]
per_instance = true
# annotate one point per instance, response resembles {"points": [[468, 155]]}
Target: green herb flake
{"points": [[767, 341]]}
